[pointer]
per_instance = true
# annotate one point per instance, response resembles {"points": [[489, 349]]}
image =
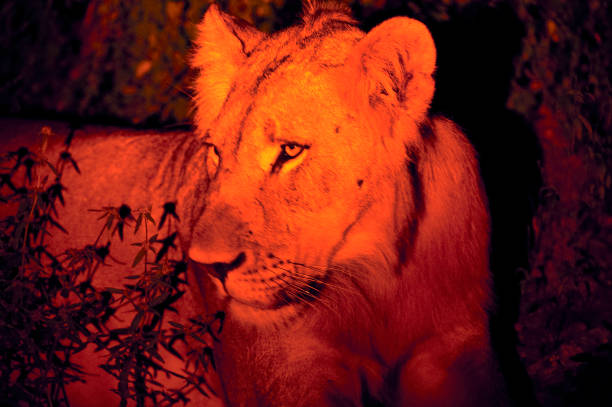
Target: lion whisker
{"points": [[331, 267], [316, 300], [309, 278], [298, 290], [284, 300]]}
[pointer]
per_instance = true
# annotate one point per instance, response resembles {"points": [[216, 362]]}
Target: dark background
{"points": [[528, 81]]}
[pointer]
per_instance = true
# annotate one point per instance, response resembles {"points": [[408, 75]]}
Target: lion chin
{"points": [[344, 232]]}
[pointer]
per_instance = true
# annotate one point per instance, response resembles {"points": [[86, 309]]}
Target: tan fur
{"points": [[359, 266], [357, 270]]}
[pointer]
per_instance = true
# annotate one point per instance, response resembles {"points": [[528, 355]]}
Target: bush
{"points": [[52, 311]]}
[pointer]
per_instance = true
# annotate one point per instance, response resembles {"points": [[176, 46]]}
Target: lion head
{"points": [[321, 163]]}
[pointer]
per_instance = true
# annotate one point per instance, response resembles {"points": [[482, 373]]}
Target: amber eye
{"points": [[289, 151]]}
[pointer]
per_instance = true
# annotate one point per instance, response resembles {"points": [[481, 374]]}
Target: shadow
{"points": [[476, 50]]}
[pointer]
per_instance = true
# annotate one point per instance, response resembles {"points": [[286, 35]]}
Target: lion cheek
{"points": [[370, 223], [251, 290], [357, 249]]}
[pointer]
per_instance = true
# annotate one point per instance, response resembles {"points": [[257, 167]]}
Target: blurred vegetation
{"points": [[99, 59], [125, 61], [122, 60], [563, 88]]}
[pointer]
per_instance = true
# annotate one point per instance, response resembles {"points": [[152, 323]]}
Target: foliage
{"points": [[123, 61], [564, 67], [563, 87], [52, 310]]}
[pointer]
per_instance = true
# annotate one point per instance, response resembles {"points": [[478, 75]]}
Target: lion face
{"points": [[285, 194], [303, 176]]}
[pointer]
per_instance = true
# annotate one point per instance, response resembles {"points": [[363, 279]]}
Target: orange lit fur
{"points": [[365, 273]]}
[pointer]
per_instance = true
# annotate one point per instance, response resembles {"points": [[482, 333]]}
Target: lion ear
{"points": [[222, 46], [392, 67]]}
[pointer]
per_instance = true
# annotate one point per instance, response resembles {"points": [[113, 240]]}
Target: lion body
{"points": [[343, 232]]}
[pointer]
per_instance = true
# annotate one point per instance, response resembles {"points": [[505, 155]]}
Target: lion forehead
{"points": [[305, 48]]}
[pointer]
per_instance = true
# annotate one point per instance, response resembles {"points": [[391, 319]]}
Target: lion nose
{"points": [[220, 269]]}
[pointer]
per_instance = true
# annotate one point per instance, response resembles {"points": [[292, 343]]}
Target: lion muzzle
{"points": [[219, 270]]}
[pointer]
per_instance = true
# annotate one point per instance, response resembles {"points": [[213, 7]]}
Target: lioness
{"points": [[342, 230]]}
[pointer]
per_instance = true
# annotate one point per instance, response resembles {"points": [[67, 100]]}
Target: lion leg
{"points": [[439, 374]]}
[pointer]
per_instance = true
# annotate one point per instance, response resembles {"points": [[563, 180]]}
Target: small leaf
{"points": [[57, 225], [138, 222], [167, 243], [65, 156], [109, 221], [208, 353], [149, 217], [119, 228], [136, 321], [158, 357], [113, 290], [198, 338], [51, 167], [139, 256]]}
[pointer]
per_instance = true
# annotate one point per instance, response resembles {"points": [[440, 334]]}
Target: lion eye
{"points": [[292, 150], [289, 151]]}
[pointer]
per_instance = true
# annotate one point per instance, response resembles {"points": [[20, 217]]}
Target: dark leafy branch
{"points": [[52, 310]]}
